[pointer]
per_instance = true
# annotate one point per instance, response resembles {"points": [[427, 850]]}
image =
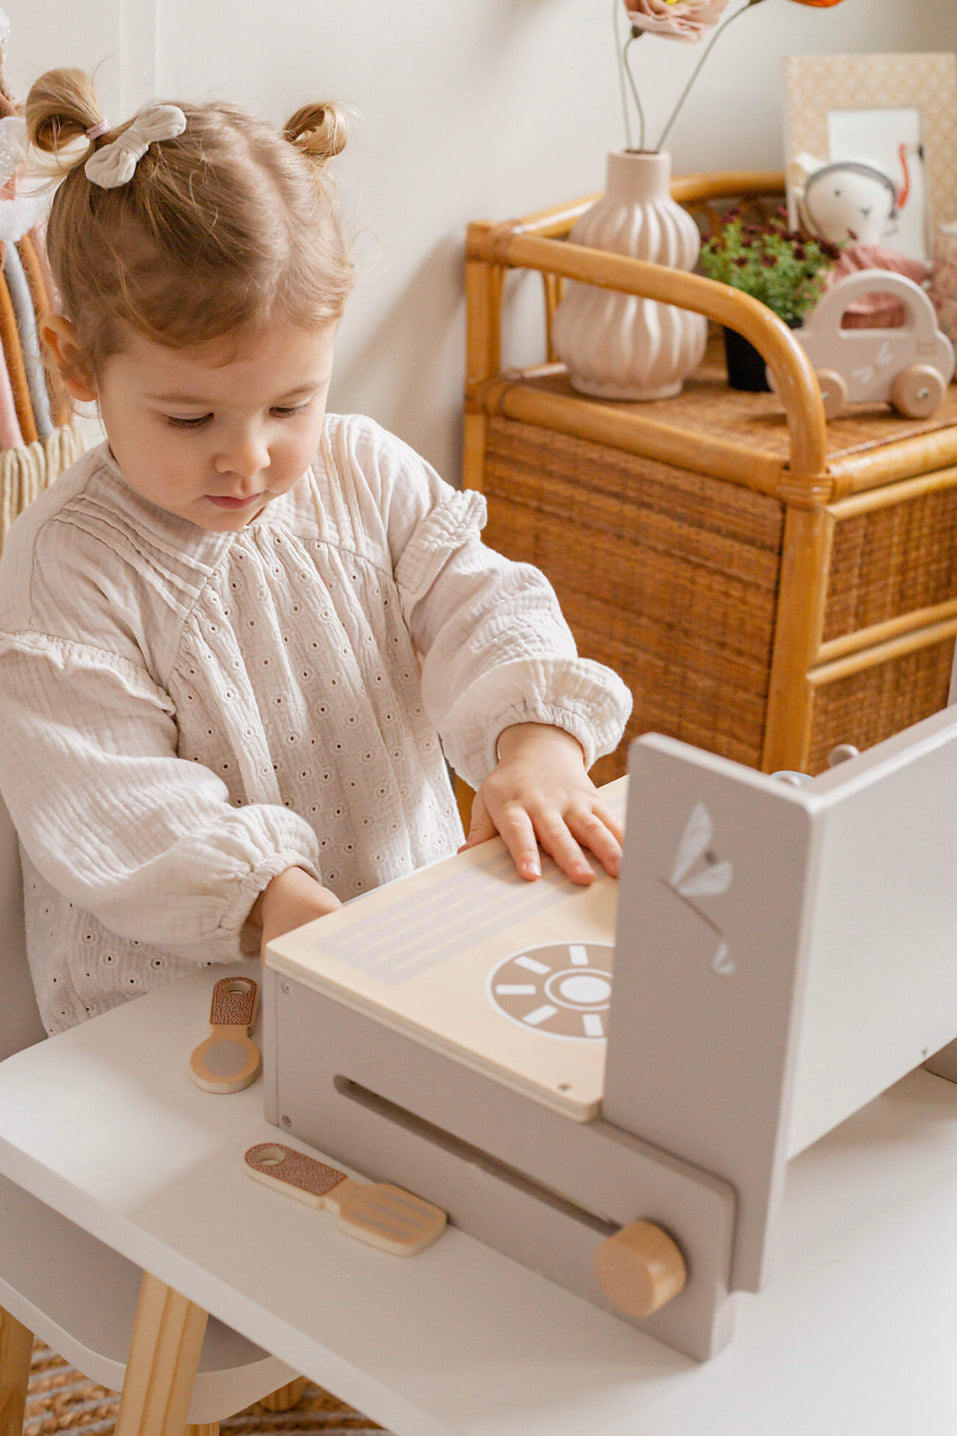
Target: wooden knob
{"points": [[640, 1268]]}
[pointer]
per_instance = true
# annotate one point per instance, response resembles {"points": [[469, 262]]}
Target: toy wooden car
{"points": [[909, 366]]}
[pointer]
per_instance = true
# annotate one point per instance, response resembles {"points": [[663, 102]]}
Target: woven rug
{"points": [[60, 1399]]}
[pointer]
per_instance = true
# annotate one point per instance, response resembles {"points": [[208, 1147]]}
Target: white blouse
{"points": [[184, 714]]}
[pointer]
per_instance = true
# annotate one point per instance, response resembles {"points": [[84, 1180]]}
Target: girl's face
{"points": [[214, 434]]}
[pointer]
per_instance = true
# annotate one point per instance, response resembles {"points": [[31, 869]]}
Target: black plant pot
{"points": [[746, 367]]}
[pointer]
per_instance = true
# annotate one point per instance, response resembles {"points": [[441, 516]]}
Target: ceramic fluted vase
{"points": [[619, 346]]}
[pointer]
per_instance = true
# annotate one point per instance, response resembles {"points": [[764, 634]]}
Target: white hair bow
{"points": [[115, 164]]}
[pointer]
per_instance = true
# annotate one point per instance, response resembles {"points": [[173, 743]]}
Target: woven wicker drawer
{"points": [[668, 576], [893, 690], [893, 553], [673, 578]]}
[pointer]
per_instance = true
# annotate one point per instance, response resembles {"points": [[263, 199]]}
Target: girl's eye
{"points": [[288, 411], [187, 423]]}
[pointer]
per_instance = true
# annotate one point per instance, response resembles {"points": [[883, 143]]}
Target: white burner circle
{"points": [[584, 991]]}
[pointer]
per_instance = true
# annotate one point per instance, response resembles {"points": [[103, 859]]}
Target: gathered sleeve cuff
{"points": [[586, 699]]}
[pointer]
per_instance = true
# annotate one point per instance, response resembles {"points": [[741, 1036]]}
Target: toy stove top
{"points": [[513, 978]]}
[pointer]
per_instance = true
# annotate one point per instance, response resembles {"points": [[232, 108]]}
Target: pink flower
{"points": [[688, 20]]}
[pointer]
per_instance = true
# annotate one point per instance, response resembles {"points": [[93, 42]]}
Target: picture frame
{"points": [[896, 111]]}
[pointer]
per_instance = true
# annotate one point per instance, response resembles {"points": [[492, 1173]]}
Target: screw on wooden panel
{"points": [[640, 1268]]}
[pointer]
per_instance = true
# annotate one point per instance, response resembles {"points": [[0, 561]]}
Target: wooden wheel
{"points": [[918, 391], [833, 391]]}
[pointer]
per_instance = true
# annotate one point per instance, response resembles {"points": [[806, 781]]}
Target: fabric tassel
{"points": [[26, 321], [10, 339]]}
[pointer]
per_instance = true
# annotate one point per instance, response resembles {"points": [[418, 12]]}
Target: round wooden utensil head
{"points": [[640, 1268], [226, 1062]]}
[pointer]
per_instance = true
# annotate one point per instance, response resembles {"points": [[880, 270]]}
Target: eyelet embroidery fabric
{"points": [[271, 697]]}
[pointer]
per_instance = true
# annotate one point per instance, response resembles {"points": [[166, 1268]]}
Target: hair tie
{"points": [[100, 128], [115, 164]]}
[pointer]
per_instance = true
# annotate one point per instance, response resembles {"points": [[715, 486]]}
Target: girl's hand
{"points": [[540, 793], [289, 900]]}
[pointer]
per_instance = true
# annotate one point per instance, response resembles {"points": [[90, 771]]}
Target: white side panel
{"points": [[881, 993], [784, 954], [707, 973]]}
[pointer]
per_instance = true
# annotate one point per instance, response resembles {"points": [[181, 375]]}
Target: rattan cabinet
{"points": [[768, 585]]}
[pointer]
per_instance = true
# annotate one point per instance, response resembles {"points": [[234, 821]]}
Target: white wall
{"points": [[485, 109]]}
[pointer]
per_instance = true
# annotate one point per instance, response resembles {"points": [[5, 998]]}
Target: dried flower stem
{"points": [[626, 78], [628, 83], [700, 66]]}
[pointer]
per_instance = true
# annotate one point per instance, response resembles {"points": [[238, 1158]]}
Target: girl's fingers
{"points": [[601, 835], [559, 842], [599, 811], [518, 834], [566, 835]]}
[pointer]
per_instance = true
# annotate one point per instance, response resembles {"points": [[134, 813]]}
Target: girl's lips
{"points": [[226, 501]]}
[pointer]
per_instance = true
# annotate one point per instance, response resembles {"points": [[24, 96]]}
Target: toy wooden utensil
{"points": [[228, 1060], [376, 1212]]}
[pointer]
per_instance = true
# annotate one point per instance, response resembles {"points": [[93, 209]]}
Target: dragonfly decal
{"points": [[698, 872]]}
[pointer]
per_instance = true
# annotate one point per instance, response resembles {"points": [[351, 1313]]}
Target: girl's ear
{"points": [[59, 336]]}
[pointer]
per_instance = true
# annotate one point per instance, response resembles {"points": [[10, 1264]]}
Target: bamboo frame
{"points": [[797, 636], [819, 484], [795, 383]]}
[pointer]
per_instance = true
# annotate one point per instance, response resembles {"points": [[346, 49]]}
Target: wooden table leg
{"points": [[16, 1349], [164, 1358], [286, 1397]]}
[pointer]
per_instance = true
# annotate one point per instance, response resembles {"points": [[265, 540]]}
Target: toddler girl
{"points": [[239, 640]]}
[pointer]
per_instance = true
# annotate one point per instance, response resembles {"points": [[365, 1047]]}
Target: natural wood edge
{"points": [[726, 184], [464, 796], [798, 629], [836, 649], [284, 1398], [854, 476], [16, 1350], [692, 189], [473, 450], [860, 660], [602, 424], [164, 1358], [640, 1268]]}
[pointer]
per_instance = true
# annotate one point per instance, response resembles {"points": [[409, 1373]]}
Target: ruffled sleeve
{"points": [[494, 646], [109, 814]]}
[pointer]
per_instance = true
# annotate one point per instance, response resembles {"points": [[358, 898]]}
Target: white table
{"points": [[858, 1331]]}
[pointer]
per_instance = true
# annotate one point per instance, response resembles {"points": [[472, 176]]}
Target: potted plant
{"points": [[614, 345], [778, 266]]}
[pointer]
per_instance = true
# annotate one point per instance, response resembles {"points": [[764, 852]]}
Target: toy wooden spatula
{"points": [[229, 1059], [375, 1212]]}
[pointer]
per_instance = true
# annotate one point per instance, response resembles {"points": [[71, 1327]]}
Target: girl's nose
{"points": [[245, 453]]}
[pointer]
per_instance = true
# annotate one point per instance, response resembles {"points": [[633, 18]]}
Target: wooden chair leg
{"points": [[206, 1428], [16, 1349], [164, 1358], [286, 1397]]}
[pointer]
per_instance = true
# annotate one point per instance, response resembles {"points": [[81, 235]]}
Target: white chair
{"points": [[119, 1326]]}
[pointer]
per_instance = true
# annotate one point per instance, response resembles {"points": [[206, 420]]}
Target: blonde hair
{"points": [[226, 227]]}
